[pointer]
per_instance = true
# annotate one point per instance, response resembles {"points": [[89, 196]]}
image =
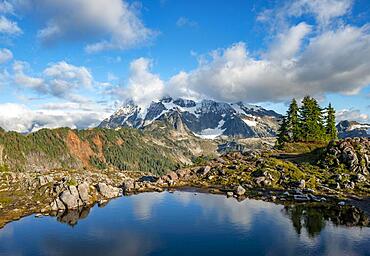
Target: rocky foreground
{"points": [[337, 175]]}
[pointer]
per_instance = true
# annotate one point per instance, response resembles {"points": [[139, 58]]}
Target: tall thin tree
{"points": [[331, 130], [283, 133], [293, 121]]}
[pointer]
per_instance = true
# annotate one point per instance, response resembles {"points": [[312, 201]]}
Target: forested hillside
{"points": [[64, 148]]}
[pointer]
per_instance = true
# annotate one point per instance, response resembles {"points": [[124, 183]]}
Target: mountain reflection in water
{"points": [[188, 223]]}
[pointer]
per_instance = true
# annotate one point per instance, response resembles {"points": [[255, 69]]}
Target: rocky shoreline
{"points": [[71, 201], [263, 176]]}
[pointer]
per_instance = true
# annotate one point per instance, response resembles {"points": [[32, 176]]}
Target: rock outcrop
{"points": [[353, 153]]}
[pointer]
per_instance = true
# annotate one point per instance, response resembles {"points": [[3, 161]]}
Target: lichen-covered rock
{"points": [[354, 153], [172, 176], [203, 171], [108, 191], [57, 205], [83, 191], [70, 199], [128, 185]]}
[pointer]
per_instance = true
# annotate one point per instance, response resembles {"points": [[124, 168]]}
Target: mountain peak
{"points": [[207, 118], [352, 129]]}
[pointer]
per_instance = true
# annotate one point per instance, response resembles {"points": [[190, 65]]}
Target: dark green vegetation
{"points": [[309, 123], [123, 149]]}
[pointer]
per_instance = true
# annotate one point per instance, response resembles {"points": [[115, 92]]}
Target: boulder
{"points": [[57, 205], [204, 171], [172, 176], [108, 191], [260, 180], [83, 191], [183, 173], [229, 194], [240, 191], [70, 200], [359, 177], [128, 185]]}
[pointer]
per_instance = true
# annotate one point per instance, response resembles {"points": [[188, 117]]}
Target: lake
{"points": [[184, 223]]}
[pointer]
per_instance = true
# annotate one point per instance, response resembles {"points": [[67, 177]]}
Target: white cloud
{"points": [[288, 44], [6, 7], [186, 22], [333, 61], [18, 117], [143, 86], [9, 27], [22, 79], [323, 10], [64, 71], [5, 55], [115, 21], [61, 80], [352, 115]]}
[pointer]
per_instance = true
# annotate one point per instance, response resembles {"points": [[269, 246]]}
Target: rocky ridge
{"points": [[352, 129], [206, 119]]}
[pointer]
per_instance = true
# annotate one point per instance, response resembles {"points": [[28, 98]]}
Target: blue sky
{"points": [[68, 63]]}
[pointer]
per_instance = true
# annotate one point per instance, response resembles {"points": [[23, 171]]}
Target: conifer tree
{"points": [[331, 130], [312, 127], [293, 121], [283, 133]]}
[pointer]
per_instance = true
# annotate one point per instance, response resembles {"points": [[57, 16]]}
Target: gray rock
{"points": [[301, 197], [229, 194], [204, 170], [359, 177], [128, 185], [57, 205], [108, 191], [260, 180], [70, 200], [240, 191], [302, 184], [83, 191], [172, 176]]}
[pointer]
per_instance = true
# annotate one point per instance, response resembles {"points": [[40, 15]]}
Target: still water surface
{"points": [[183, 223]]}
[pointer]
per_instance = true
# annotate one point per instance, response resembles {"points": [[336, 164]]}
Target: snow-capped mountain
{"points": [[206, 119], [352, 129]]}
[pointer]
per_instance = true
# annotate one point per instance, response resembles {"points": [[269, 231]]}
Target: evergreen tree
{"points": [[331, 130], [312, 127], [283, 133], [293, 121]]}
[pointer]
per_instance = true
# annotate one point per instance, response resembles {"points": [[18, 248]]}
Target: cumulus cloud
{"points": [[5, 55], [323, 10], [9, 27], [116, 21], [288, 44], [334, 61], [60, 80], [20, 118], [352, 115], [143, 86]]}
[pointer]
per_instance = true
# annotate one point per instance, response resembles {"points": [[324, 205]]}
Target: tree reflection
{"points": [[313, 216]]}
